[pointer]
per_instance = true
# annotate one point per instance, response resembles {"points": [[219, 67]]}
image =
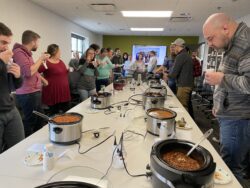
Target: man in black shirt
{"points": [[11, 126], [183, 73]]}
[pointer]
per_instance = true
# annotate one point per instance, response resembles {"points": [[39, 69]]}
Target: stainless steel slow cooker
{"points": [[152, 100], [166, 176], [158, 88], [154, 123], [65, 133], [101, 100]]}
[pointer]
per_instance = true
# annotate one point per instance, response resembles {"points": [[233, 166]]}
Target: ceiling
{"points": [[112, 22]]}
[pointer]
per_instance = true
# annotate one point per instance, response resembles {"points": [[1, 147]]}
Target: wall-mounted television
{"points": [[144, 49]]}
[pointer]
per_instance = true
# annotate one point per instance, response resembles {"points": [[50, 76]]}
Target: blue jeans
{"points": [[172, 85], [28, 103], [235, 145], [84, 94]]}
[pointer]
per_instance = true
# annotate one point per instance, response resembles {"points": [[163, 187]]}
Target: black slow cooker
{"points": [[166, 176], [69, 184]]}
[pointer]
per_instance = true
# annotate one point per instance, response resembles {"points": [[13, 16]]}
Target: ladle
{"points": [[206, 135], [42, 115]]}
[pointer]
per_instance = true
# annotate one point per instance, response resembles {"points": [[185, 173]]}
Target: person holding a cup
{"points": [[231, 104], [11, 126]]}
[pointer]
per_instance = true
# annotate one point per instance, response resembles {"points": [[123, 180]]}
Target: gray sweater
{"points": [[232, 96], [183, 70], [87, 77]]}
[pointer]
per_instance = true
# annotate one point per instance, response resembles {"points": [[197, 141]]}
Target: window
{"points": [[78, 44]]}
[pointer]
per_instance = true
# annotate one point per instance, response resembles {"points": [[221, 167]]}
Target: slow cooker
{"points": [[152, 100], [165, 175], [101, 100], [158, 88], [69, 184], [154, 122], [65, 132]]}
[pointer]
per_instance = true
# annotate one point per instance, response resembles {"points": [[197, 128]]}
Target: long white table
{"points": [[14, 173]]}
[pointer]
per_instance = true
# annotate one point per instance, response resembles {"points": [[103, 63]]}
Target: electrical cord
{"points": [[110, 165], [134, 133], [124, 164], [137, 102], [119, 103], [86, 151], [94, 129]]}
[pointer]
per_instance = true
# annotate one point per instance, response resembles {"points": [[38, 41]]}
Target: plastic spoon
{"points": [[206, 135]]}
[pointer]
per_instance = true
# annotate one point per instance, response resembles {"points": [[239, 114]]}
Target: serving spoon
{"points": [[206, 135], [42, 115]]}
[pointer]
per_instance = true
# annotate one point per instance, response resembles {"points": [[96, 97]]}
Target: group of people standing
{"points": [[46, 81]]}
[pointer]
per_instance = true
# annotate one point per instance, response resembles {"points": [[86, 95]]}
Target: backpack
{"points": [[197, 71]]}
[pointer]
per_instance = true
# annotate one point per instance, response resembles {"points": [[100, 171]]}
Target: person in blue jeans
{"points": [[232, 91]]}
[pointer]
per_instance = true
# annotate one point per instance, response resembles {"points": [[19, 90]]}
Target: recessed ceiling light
{"points": [[146, 29], [153, 14]]}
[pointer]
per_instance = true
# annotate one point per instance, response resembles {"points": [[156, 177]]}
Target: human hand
{"points": [[6, 56], [214, 78], [14, 69], [165, 76], [44, 56]]}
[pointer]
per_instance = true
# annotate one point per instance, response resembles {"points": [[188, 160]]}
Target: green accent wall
{"points": [[125, 43]]}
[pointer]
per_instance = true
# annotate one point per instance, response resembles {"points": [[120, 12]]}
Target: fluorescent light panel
{"points": [[153, 14], [146, 29]]}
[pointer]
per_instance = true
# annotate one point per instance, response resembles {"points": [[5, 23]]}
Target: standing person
{"points": [[232, 90], [124, 59], [140, 67], [110, 56], [88, 73], [117, 61], [167, 67], [110, 53], [56, 94], [183, 73], [74, 62], [11, 126], [104, 69], [152, 64], [29, 95], [97, 48], [129, 67]]}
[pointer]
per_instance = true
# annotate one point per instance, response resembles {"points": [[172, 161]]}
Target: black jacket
{"points": [[7, 83], [183, 70]]}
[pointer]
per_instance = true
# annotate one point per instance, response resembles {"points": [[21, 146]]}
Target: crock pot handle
{"points": [[57, 130], [158, 125]]}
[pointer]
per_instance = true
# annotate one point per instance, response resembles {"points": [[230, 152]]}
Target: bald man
{"points": [[232, 89]]}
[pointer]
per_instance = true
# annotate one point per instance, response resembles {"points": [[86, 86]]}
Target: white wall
{"points": [[21, 15], [245, 19]]}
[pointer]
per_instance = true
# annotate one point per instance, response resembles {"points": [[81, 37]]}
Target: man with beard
{"points": [[29, 95], [11, 126], [232, 90]]}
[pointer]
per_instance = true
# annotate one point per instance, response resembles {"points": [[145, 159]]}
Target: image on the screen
{"points": [[144, 50]]}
